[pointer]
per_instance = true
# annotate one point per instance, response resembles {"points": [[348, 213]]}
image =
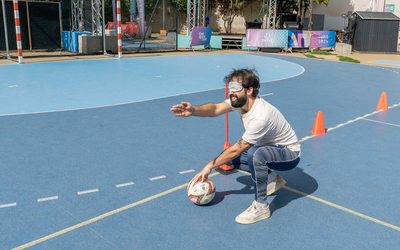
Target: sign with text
{"points": [[323, 39], [267, 38], [201, 36]]}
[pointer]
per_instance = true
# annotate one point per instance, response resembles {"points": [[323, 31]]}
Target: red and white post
{"points": [[119, 28], [18, 30]]}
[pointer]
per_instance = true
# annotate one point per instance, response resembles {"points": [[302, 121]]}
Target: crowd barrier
{"points": [[289, 38]]}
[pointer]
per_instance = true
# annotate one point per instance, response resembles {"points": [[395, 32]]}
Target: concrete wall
{"points": [[89, 44]]}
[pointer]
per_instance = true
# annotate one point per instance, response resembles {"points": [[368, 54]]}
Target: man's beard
{"points": [[240, 102]]}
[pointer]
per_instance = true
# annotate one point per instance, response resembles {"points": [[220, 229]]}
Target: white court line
{"points": [[187, 171], [88, 191], [351, 121], [124, 184], [381, 122], [8, 205], [47, 199], [158, 177], [12, 86]]}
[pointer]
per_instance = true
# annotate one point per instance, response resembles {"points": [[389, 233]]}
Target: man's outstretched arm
{"points": [[228, 155], [185, 109]]}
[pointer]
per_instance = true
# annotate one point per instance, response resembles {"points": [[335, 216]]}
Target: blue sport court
{"points": [[92, 157]]}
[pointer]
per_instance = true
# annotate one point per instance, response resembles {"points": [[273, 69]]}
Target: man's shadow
{"points": [[295, 179]]}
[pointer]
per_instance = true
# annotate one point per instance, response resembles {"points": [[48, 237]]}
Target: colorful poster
{"points": [[201, 36], [389, 7], [140, 6], [323, 39], [299, 38], [267, 38]]}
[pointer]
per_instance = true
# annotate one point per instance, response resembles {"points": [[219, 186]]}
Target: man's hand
{"points": [[203, 175], [184, 109]]}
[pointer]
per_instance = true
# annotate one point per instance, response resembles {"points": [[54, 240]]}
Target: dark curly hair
{"points": [[247, 77]]}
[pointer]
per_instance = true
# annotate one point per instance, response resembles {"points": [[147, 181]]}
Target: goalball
{"points": [[201, 193]]}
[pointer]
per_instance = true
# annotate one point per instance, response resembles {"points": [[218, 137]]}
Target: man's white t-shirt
{"points": [[265, 125]]}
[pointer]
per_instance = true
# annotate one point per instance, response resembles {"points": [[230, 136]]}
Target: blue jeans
{"points": [[258, 159]]}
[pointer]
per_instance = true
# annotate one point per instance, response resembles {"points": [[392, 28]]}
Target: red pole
{"points": [[119, 29], [17, 30], [227, 145], [225, 169]]}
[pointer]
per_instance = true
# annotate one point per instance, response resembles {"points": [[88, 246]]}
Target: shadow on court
{"points": [[295, 179]]}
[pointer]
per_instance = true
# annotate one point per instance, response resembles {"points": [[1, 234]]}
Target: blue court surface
{"points": [[92, 157], [386, 62]]}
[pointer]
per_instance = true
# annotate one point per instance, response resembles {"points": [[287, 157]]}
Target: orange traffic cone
{"points": [[382, 104], [225, 169], [319, 126]]}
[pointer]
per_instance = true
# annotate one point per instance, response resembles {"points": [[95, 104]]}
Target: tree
{"points": [[229, 10], [310, 9]]}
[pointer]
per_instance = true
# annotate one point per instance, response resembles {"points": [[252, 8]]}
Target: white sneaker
{"points": [[275, 185], [253, 214]]}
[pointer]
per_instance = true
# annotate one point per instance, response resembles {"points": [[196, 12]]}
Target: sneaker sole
{"points": [[280, 183], [263, 217]]}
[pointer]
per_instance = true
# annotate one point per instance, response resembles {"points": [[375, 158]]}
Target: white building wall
{"points": [[340, 7], [337, 8]]}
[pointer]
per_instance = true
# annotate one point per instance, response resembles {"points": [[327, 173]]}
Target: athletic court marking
{"points": [[351, 121], [187, 171], [124, 185], [344, 209], [103, 216], [337, 206], [88, 191], [8, 205], [381, 122], [48, 199], [158, 177], [386, 62]]}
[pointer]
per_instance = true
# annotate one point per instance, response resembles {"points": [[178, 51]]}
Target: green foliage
{"points": [[326, 53], [311, 56], [182, 6], [326, 2], [347, 59]]}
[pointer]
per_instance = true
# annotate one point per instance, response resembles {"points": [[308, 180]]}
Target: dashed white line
{"points": [[88, 191], [158, 177], [124, 184], [8, 205], [47, 199], [187, 171]]}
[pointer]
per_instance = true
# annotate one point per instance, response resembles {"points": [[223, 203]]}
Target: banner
{"points": [[140, 5], [389, 7], [299, 38], [201, 36], [323, 39], [267, 38]]}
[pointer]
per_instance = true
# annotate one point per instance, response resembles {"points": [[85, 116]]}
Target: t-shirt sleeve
{"points": [[255, 131]]}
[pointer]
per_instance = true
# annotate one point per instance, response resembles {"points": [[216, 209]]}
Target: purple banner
{"points": [[266, 38], [140, 5], [323, 39], [201, 36], [299, 38]]}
